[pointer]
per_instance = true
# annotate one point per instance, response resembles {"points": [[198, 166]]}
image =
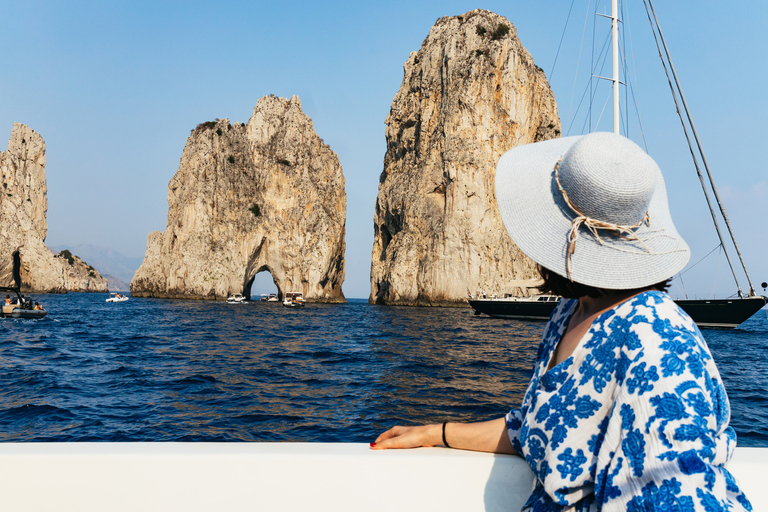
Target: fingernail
{"points": [[373, 445]]}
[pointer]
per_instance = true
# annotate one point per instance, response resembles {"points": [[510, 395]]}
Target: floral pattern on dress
{"points": [[635, 419]]}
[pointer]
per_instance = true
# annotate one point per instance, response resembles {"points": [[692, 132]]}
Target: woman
{"points": [[625, 409]]}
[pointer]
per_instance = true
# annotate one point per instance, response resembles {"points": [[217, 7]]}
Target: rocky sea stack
{"points": [[25, 260], [266, 196], [468, 95]]}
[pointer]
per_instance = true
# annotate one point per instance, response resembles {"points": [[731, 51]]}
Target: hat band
{"points": [[624, 232]]}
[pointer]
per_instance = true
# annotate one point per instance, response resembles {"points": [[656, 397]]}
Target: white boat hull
{"points": [[320, 477]]}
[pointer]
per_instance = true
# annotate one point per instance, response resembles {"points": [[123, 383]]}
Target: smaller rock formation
{"points": [[80, 276], [266, 196], [24, 258]]}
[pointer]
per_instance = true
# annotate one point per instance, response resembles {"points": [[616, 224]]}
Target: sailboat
{"points": [[710, 313]]}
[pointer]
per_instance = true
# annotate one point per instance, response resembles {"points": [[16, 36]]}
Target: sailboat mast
{"points": [[615, 78]]}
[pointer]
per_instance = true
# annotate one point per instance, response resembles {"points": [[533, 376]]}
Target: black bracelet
{"points": [[444, 441]]}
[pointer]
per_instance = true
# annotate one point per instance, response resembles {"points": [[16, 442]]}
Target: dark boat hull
{"points": [[722, 313], [714, 313], [516, 310], [25, 313]]}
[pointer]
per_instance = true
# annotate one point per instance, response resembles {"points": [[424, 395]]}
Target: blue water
{"points": [[172, 370]]}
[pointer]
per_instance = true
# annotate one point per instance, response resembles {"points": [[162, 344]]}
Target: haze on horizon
{"points": [[115, 88]]}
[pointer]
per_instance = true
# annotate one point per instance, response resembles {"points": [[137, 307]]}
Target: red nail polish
{"points": [[373, 445]]}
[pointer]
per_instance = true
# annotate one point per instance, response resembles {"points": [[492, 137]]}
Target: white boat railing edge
{"points": [[278, 476]]}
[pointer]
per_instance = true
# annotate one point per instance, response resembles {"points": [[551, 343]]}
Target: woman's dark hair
{"points": [[559, 285]]}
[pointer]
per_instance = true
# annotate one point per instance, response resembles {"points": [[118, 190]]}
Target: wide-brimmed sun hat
{"points": [[591, 208]]}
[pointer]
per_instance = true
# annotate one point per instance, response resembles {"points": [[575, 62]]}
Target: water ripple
{"points": [[156, 370]]}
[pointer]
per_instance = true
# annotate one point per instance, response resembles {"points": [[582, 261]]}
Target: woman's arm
{"points": [[488, 436]]}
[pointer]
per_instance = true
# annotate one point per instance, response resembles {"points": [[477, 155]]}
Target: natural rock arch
{"points": [[269, 194], [248, 289]]}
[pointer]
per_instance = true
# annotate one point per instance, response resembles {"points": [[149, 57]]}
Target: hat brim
{"points": [[539, 220]]}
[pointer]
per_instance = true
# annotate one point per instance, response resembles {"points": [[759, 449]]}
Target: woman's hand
{"points": [[409, 437], [488, 436]]}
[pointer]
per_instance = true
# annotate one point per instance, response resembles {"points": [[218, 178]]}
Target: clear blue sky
{"points": [[115, 87]]}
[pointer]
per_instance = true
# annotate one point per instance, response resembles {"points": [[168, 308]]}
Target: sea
{"points": [[183, 370]]}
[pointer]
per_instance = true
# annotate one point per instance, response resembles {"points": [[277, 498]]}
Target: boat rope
{"points": [[562, 37], [623, 49], [691, 267], [576, 75], [601, 60], [656, 26], [685, 292], [717, 270], [591, 90], [690, 145]]}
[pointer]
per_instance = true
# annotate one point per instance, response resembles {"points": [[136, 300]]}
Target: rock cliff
{"points": [[268, 195], [24, 257], [469, 94]]}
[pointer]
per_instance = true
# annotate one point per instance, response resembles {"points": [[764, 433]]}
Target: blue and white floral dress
{"points": [[635, 419]]}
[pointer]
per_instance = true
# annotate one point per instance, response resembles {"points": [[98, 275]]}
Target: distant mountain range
{"points": [[117, 268]]}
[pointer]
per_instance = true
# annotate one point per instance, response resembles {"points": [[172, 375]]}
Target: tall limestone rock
{"points": [[469, 94], [24, 257], [245, 199]]}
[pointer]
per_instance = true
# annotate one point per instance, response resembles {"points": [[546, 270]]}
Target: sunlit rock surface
{"points": [[469, 94], [266, 196], [24, 257]]}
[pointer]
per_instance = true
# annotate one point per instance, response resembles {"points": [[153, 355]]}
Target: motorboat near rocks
{"points": [[20, 307], [237, 298], [294, 300], [117, 297]]}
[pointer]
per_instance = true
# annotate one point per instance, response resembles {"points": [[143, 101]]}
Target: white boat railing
{"points": [[193, 477]]}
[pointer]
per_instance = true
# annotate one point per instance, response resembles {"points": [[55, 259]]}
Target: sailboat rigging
{"points": [[717, 313]]}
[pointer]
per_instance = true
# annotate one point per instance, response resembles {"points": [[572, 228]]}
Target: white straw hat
{"points": [[592, 208]]}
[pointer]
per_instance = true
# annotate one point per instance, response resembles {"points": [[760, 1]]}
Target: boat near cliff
{"points": [[22, 308], [237, 298], [117, 297], [294, 300]]}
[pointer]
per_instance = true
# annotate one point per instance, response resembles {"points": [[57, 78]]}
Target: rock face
{"points": [[469, 94], [24, 257], [245, 199]]}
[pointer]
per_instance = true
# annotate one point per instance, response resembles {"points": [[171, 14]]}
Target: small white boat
{"points": [[294, 300], [237, 298], [273, 298], [263, 297], [117, 297]]}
